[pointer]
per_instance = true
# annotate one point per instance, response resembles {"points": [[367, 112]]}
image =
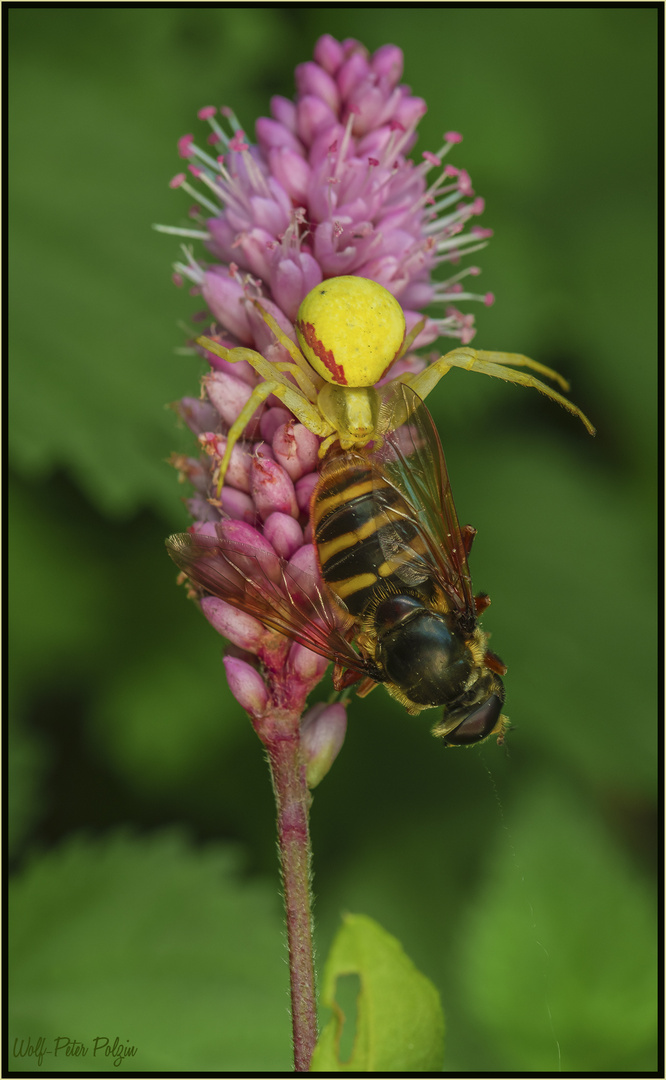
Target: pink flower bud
{"points": [[410, 111], [292, 171], [293, 278], [263, 335], [256, 245], [304, 488], [368, 101], [296, 448], [271, 488], [238, 472], [228, 394], [238, 505], [240, 369], [201, 510], [312, 79], [314, 116], [304, 571], [388, 63], [235, 625], [272, 419], [270, 133], [192, 470], [226, 299], [353, 71], [198, 415], [418, 294], [247, 686], [329, 53], [305, 665], [323, 730], [284, 111], [268, 214], [284, 534], [253, 556]]}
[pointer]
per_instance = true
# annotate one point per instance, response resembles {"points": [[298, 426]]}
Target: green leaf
{"points": [[156, 943], [399, 1019], [560, 953]]}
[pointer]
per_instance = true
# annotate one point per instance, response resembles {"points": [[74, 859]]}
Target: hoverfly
{"points": [[394, 602]]}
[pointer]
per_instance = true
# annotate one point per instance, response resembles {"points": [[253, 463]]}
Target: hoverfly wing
{"points": [[410, 455], [283, 597]]}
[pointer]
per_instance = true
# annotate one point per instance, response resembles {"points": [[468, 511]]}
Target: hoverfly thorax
{"points": [[420, 651]]}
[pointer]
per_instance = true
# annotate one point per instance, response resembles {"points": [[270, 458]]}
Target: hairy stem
{"points": [[292, 799]]}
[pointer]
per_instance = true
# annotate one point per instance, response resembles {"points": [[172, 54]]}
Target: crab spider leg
{"points": [[297, 356], [294, 399], [470, 360], [517, 360], [269, 371]]}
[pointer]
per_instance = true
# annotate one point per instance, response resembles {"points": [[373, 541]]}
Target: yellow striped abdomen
{"points": [[364, 533]]}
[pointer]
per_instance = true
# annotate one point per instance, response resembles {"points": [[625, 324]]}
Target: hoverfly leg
{"points": [[493, 662], [344, 678], [366, 686], [481, 602]]}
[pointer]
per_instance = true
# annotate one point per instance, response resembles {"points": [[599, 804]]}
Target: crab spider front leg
{"points": [[295, 401], [496, 364], [295, 398]]}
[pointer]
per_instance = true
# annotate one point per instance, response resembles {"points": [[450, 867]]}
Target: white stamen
{"points": [[193, 234]]}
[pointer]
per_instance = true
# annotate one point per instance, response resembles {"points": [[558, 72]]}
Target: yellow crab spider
{"points": [[351, 330]]}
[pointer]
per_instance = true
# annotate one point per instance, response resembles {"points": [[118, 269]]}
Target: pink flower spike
{"points": [[195, 170], [453, 136], [247, 686], [185, 146], [489, 299], [177, 180], [207, 112], [432, 159]]}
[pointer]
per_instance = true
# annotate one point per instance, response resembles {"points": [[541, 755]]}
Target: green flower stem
{"points": [[292, 799]]}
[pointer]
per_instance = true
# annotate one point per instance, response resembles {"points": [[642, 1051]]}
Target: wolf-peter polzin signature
{"points": [[100, 1048]]}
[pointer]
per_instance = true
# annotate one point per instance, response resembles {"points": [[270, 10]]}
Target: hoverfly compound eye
{"points": [[350, 330], [478, 724]]}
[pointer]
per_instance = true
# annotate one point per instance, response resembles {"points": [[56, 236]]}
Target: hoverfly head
{"points": [[476, 715]]}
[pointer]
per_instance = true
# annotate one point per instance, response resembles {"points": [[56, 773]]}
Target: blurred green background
{"points": [[520, 880]]}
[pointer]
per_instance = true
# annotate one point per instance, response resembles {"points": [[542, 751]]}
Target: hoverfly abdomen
{"points": [[364, 533]]}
